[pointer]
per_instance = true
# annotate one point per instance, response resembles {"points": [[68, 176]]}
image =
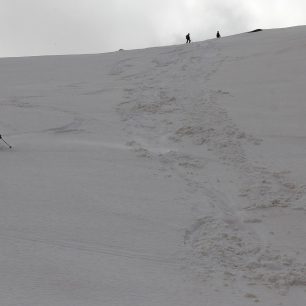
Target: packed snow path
{"points": [[166, 176]]}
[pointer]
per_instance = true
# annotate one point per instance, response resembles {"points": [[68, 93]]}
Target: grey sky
{"points": [[35, 27]]}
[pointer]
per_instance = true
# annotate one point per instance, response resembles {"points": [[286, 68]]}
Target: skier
{"points": [[218, 35], [188, 40]]}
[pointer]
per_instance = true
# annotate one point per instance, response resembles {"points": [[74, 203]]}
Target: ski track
{"points": [[162, 119], [107, 250]]}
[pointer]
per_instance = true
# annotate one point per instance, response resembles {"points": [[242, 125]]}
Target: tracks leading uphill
{"points": [[172, 115]]}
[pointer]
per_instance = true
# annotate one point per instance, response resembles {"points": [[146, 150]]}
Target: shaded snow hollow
{"points": [[165, 176]]}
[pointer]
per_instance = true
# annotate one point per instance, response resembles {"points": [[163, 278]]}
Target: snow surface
{"points": [[165, 176]]}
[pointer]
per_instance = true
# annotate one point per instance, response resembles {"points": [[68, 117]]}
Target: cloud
{"points": [[35, 27]]}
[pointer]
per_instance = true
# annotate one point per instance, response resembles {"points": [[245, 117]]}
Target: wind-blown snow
{"points": [[165, 176]]}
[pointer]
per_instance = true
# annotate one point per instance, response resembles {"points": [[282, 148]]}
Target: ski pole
{"points": [[5, 142]]}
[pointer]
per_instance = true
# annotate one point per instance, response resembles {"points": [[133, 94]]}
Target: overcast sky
{"points": [[37, 27]]}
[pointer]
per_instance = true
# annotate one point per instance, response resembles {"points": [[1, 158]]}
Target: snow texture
{"points": [[164, 176]]}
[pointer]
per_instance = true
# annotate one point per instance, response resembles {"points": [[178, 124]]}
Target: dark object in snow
{"points": [[188, 40], [120, 50], [218, 34], [254, 31], [5, 141]]}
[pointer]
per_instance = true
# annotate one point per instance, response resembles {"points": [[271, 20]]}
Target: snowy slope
{"points": [[165, 176]]}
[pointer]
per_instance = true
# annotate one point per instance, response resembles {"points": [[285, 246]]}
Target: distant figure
{"points": [[188, 40], [218, 35]]}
